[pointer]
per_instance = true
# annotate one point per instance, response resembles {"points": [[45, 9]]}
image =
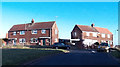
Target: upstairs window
{"points": [[34, 40], [55, 31], [22, 32], [14, 33], [22, 40], [87, 34], [108, 35], [43, 31], [75, 33], [94, 34], [103, 35], [34, 31]]}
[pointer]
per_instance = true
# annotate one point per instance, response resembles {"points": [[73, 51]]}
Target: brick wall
{"points": [[28, 35], [53, 33]]}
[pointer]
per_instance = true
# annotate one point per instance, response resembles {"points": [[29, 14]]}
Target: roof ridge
{"points": [[101, 27]]}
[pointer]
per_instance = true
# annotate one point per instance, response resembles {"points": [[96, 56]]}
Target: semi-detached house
{"points": [[41, 33], [89, 35]]}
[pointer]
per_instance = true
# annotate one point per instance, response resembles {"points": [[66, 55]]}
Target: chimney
{"points": [[92, 25], [32, 21]]}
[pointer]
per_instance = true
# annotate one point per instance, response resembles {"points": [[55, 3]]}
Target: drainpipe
{"points": [[50, 36]]}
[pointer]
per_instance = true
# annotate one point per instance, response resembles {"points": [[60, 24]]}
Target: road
{"points": [[77, 57]]}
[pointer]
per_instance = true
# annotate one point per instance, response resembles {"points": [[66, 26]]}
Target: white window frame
{"points": [[56, 40], [87, 33], [43, 31], [34, 31], [94, 34], [55, 31], [14, 33], [103, 35], [36, 40], [75, 33], [111, 42], [108, 35], [21, 33], [23, 40]]}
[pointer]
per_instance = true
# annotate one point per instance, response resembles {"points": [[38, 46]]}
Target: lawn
{"points": [[20, 56]]}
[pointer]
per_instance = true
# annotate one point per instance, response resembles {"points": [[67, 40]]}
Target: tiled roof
{"points": [[29, 26], [87, 28], [94, 29], [103, 30]]}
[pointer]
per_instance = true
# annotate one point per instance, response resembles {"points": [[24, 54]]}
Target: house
{"points": [[89, 35], [41, 33]]}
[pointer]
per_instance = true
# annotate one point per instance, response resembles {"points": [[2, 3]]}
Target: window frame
{"points": [[33, 31], [36, 40], [94, 34], [103, 36], [22, 32], [108, 35], [87, 33], [56, 40], [44, 31], [56, 31], [23, 40], [14, 33], [75, 33]]}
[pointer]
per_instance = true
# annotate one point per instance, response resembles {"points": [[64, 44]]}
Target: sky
{"points": [[60, 0], [102, 14]]}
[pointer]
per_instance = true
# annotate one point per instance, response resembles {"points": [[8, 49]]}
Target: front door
{"points": [[14, 42]]}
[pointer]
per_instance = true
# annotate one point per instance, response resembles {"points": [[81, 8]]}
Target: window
{"points": [[55, 31], [108, 35], [14, 33], [111, 42], [87, 34], [94, 34], [56, 40], [43, 31], [103, 35], [75, 33], [34, 40], [34, 31], [22, 40], [22, 32]]}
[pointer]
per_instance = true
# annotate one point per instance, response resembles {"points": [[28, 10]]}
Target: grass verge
{"points": [[19, 56]]}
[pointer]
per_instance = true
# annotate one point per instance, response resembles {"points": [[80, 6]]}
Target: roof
{"points": [[87, 28], [30, 26], [103, 30], [94, 29]]}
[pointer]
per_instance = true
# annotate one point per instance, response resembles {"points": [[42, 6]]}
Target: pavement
{"points": [[78, 57]]}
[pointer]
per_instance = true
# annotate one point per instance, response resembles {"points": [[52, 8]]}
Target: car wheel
{"points": [[56, 47]]}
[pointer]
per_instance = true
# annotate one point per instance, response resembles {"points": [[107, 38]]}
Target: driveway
{"points": [[77, 57]]}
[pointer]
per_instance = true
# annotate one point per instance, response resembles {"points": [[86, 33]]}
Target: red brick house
{"points": [[42, 33], [88, 35]]}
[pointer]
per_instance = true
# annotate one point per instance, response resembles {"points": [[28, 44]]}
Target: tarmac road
{"points": [[77, 57]]}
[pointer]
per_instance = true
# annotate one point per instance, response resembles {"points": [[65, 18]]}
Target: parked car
{"points": [[60, 45], [103, 47], [117, 46]]}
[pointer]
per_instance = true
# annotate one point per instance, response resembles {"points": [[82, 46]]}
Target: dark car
{"points": [[60, 45], [103, 47]]}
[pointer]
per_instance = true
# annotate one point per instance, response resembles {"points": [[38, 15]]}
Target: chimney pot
{"points": [[92, 25], [32, 21]]}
